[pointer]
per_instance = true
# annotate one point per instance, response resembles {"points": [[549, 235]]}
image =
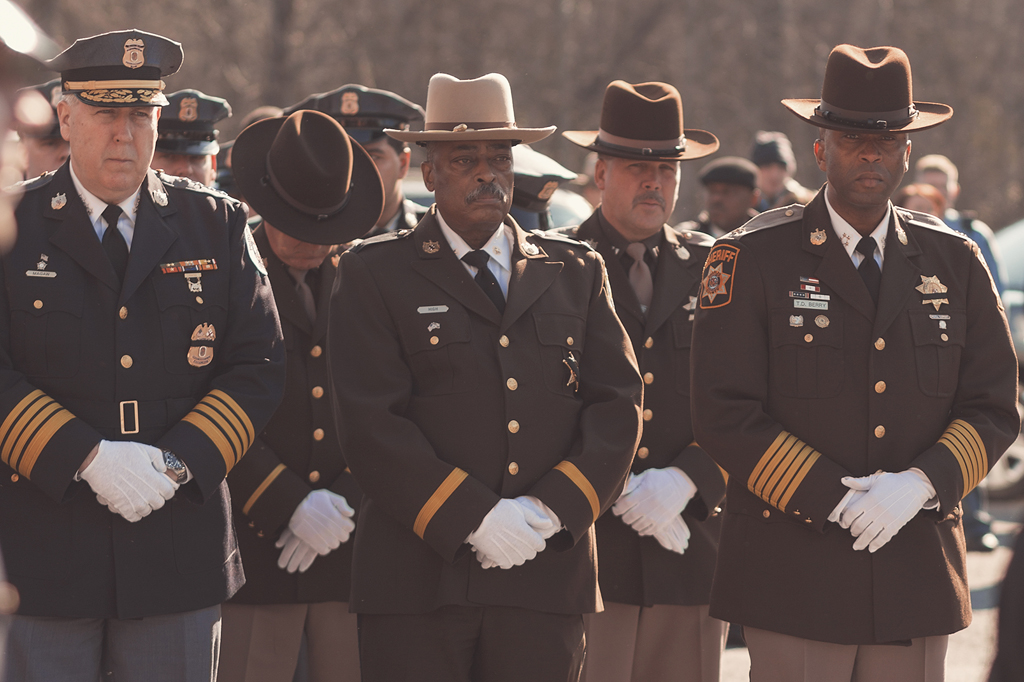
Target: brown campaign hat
{"points": [[868, 90], [307, 178], [644, 121]]}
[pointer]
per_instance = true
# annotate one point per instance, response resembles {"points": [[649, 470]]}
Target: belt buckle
{"points": [[134, 406]]}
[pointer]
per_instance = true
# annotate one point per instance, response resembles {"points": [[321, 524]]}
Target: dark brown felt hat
{"points": [[307, 178], [644, 121], [868, 90]]}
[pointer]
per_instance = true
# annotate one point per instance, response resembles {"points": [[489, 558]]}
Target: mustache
{"points": [[649, 196], [491, 189]]}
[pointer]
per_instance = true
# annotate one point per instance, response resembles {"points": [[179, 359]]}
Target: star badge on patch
{"points": [[718, 273], [931, 286], [431, 247]]}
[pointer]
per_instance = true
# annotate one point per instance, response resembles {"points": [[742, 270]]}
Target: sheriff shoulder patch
{"points": [[719, 271]]}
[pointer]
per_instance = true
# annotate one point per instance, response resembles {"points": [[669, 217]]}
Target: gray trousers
{"points": [[180, 647]]}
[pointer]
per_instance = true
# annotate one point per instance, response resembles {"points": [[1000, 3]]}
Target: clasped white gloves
{"points": [[882, 504], [652, 502], [319, 525], [128, 478], [513, 532]]}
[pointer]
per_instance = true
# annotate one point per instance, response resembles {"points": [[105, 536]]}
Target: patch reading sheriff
{"points": [[719, 270]]}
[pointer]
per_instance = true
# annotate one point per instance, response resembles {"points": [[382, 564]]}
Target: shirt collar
{"points": [[620, 243], [850, 237], [498, 247], [95, 206]]}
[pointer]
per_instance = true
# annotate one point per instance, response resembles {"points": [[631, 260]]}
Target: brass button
{"points": [[879, 431], [808, 337], [789, 213], [649, 342], [808, 521], [503, 341], [318, 434], [569, 340], [648, 415], [512, 384], [126, 361], [944, 337], [766, 513], [513, 426], [123, 313], [14, 478], [879, 343], [314, 476], [9, 598], [880, 387], [318, 391], [316, 351], [259, 533], [37, 304], [252, 524], [434, 340], [513, 468], [199, 300], [643, 452], [649, 378]]}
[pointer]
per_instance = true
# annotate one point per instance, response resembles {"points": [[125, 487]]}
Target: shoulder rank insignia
{"points": [[431, 247], [716, 285], [818, 237], [58, 201], [930, 287]]}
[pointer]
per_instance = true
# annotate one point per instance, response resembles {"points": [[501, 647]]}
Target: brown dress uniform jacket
{"points": [[634, 569], [446, 406], [298, 452], [801, 382]]}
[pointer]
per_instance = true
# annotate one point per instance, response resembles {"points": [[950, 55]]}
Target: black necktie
{"points": [[113, 241], [868, 269], [478, 259], [302, 279]]}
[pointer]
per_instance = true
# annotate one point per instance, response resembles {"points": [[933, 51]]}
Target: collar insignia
{"points": [[431, 247], [818, 237], [58, 201]]}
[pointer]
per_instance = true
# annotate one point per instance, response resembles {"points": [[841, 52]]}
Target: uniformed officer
{"points": [[141, 354], [187, 142], [294, 488], [365, 113], [730, 194], [45, 149], [489, 408], [854, 375], [537, 177], [657, 549]]}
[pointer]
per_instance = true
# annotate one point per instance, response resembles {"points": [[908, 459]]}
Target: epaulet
{"points": [[559, 235], [379, 239], [694, 237], [33, 183], [772, 218], [926, 220], [187, 183]]}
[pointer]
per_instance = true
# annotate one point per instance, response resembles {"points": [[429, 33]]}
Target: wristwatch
{"points": [[175, 466]]}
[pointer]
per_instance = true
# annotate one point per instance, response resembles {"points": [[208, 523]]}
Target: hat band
{"points": [[75, 86], [644, 147], [321, 213], [878, 120], [460, 126]]}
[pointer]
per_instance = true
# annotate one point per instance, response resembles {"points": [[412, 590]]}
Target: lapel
{"points": [[622, 291], [287, 298], [153, 237], [673, 280], [899, 273], [75, 234], [836, 269], [532, 274]]}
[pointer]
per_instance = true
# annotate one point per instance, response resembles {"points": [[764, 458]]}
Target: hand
{"points": [[890, 501], [674, 535], [129, 477], [296, 555], [323, 520], [549, 523], [852, 495], [506, 537], [653, 497]]}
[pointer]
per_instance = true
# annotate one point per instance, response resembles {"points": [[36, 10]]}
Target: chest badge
{"points": [[931, 287], [41, 270], [821, 321], [195, 282], [796, 320], [433, 325], [818, 237], [200, 354], [58, 201], [431, 247]]}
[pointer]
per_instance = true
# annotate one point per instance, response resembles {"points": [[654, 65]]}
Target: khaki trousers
{"points": [[260, 643], [653, 644], [783, 658]]}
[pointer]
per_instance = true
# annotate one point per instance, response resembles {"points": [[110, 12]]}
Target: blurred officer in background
{"points": [[187, 142]]}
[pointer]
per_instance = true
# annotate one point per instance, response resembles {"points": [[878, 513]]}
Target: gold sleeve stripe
{"points": [[238, 412], [963, 441], [7, 430], [581, 481], [781, 470], [28, 428], [226, 425], [213, 432], [42, 437], [263, 487], [227, 429], [440, 496]]}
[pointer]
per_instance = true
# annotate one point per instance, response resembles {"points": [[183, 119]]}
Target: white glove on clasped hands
{"points": [[674, 535], [297, 554], [511, 534], [323, 520], [541, 511], [852, 495], [652, 497], [128, 478], [890, 501]]}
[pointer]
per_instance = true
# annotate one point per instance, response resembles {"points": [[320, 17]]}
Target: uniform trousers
{"points": [[180, 647], [782, 658], [471, 644], [659, 643], [261, 642]]}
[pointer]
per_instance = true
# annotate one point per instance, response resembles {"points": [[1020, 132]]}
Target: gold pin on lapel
{"points": [[901, 235], [431, 247], [58, 201], [818, 237]]}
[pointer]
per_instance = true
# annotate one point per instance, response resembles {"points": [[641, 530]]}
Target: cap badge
{"points": [[350, 103], [902, 235], [189, 109], [430, 246], [548, 190], [818, 237], [58, 201], [133, 56]]}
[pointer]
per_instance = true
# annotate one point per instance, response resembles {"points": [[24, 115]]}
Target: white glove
{"points": [[652, 497], [128, 478], [297, 555], [507, 536], [852, 495], [549, 522], [323, 520], [674, 535], [890, 502]]}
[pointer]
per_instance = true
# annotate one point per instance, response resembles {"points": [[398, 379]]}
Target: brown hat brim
{"points": [[524, 135], [930, 115], [360, 213], [699, 143]]}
